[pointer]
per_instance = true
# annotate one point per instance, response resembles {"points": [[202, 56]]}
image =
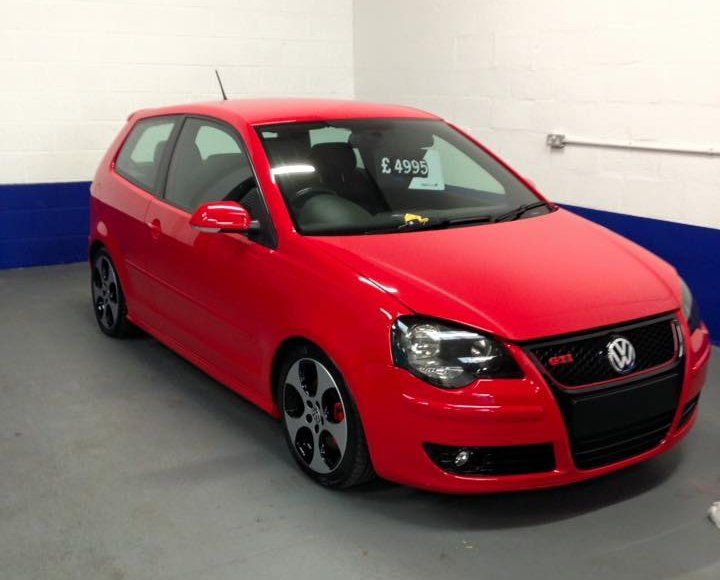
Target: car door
{"points": [[206, 300], [127, 193]]}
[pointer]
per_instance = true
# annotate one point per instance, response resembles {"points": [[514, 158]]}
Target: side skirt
{"points": [[265, 403]]}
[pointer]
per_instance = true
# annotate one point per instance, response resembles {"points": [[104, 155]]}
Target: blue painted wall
{"points": [[42, 224]]}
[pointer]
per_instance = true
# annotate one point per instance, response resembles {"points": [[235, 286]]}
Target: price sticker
{"points": [[391, 165]]}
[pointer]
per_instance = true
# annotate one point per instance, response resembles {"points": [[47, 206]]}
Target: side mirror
{"points": [[223, 216]]}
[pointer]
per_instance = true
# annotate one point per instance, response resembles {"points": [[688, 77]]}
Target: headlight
{"points": [[449, 356], [690, 308]]}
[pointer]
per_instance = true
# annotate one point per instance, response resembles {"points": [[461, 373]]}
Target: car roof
{"points": [[265, 111]]}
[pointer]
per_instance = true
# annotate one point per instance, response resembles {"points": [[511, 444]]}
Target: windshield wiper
{"points": [[474, 219], [514, 214], [430, 224]]}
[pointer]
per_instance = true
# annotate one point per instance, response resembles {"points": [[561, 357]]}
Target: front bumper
{"points": [[402, 413]]}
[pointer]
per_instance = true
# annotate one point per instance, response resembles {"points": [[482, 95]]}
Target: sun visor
{"points": [[399, 139]]}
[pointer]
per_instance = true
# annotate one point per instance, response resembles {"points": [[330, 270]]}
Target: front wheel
{"points": [[107, 295], [321, 422]]}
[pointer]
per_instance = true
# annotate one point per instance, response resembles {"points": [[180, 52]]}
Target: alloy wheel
{"points": [[106, 295], [315, 416]]}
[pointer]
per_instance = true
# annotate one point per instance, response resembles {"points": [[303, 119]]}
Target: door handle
{"points": [[155, 228]]}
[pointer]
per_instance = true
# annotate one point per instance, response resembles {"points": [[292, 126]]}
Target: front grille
{"points": [[487, 461], [609, 425], [582, 360]]}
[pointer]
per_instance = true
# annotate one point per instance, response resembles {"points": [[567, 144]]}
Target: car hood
{"points": [[525, 279]]}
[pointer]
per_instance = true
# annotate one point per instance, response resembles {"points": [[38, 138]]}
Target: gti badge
{"points": [[621, 355]]}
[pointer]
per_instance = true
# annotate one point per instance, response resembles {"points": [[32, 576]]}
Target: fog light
{"points": [[461, 458], [492, 461]]}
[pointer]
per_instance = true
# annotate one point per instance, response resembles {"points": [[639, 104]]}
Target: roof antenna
{"points": [[222, 90]]}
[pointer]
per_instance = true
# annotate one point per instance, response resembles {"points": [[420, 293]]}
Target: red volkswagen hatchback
{"points": [[404, 301]]}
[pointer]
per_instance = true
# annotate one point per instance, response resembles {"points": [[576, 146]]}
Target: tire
{"points": [[318, 412], [108, 298]]}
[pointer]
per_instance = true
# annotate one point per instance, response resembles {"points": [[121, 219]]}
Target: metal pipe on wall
{"points": [[559, 141]]}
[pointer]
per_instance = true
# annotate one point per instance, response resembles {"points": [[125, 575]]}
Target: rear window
{"points": [[142, 153]]}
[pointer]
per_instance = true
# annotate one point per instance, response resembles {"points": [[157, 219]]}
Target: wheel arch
{"points": [[282, 351], [95, 247]]}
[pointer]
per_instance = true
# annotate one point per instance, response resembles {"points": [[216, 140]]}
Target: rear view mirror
{"points": [[223, 216]]}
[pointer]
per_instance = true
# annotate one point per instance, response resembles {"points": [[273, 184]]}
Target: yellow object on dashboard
{"points": [[411, 217]]}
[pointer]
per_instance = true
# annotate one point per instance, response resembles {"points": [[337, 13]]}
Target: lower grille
{"points": [[621, 422], [506, 460], [688, 411], [614, 446]]}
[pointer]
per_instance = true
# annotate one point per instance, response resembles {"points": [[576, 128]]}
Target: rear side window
{"points": [[141, 155]]}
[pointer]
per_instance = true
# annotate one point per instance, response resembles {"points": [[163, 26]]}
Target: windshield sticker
{"points": [[421, 169], [406, 166], [434, 178]]}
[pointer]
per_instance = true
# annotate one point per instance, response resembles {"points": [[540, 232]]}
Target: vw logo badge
{"points": [[621, 355]]}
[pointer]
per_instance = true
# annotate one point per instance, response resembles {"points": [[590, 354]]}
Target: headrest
{"points": [[333, 157], [289, 147], [158, 151], [223, 163], [186, 154]]}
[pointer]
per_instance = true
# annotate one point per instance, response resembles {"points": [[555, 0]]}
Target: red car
{"points": [[407, 304]]}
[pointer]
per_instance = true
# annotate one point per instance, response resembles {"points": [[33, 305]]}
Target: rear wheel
{"points": [[107, 296], [321, 422]]}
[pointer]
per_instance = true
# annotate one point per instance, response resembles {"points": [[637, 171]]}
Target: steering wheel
{"points": [[307, 193]]}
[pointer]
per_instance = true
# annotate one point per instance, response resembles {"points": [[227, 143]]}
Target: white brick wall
{"points": [[512, 71], [508, 70], [72, 70]]}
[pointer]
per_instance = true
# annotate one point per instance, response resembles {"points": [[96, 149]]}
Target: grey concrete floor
{"points": [[118, 459]]}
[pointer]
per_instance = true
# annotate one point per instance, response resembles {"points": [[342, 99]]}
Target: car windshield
{"points": [[387, 175]]}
